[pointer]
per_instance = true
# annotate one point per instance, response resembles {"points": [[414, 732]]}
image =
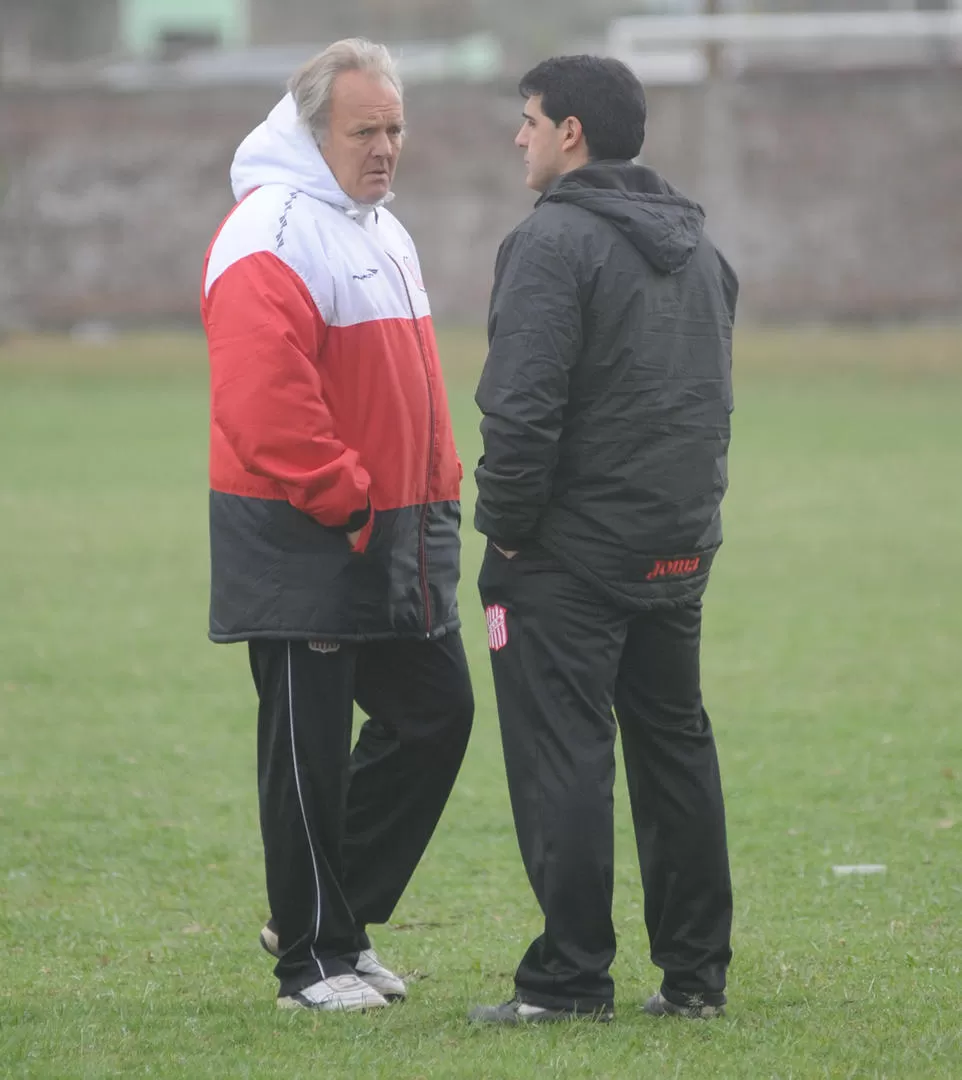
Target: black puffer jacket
{"points": [[607, 390]]}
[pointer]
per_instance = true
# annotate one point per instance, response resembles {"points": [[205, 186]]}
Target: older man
{"points": [[334, 520]]}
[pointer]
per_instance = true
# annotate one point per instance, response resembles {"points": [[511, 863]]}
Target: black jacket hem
{"points": [[338, 636]]}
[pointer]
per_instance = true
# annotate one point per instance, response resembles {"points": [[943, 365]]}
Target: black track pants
{"points": [[563, 658], [344, 832]]}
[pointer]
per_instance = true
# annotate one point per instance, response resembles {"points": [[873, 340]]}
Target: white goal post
{"points": [[676, 47]]}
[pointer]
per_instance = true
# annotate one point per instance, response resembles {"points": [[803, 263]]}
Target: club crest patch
{"points": [[497, 619]]}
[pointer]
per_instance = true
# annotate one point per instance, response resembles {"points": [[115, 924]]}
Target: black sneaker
{"points": [[521, 1012], [693, 1009]]}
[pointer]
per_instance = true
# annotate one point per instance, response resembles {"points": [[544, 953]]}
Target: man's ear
{"points": [[573, 133]]}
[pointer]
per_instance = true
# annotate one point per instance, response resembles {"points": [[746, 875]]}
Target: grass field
{"points": [[131, 888]]}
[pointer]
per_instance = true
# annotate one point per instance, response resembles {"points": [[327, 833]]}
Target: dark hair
{"points": [[604, 94]]}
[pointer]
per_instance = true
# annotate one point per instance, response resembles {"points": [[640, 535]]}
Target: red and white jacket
{"points": [[328, 411]]}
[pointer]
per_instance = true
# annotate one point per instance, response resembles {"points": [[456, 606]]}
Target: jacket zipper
{"points": [[422, 553]]}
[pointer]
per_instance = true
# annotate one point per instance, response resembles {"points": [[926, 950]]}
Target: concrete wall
{"points": [[38, 31], [836, 196]]}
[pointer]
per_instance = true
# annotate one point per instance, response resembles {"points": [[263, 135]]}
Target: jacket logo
{"points": [[324, 646], [497, 619], [371, 271], [666, 568], [279, 239]]}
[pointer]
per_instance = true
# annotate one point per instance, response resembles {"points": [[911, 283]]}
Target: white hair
{"points": [[312, 85]]}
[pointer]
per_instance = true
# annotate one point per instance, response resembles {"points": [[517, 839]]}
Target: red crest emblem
{"points": [[497, 619]]}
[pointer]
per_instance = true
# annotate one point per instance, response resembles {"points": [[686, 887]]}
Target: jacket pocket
{"points": [[366, 533]]}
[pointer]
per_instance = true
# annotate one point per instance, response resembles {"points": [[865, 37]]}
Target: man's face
{"points": [[542, 142], [363, 139]]}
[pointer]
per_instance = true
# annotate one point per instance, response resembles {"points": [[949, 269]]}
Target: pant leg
{"points": [[555, 646], [676, 799], [303, 748], [417, 695]]}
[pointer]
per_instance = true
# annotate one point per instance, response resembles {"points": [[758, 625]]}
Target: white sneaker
{"points": [[339, 993], [370, 969], [270, 942], [377, 976]]}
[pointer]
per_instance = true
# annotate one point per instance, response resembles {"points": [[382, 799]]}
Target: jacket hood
{"points": [[282, 151], [661, 223]]}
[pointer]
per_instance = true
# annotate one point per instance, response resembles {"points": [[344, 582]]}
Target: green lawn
{"points": [[131, 888]]}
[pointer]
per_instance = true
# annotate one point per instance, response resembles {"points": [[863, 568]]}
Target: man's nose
{"points": [[382, 146]]}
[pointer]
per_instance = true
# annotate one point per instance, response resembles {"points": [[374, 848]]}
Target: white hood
{"points": [[282, 151]]}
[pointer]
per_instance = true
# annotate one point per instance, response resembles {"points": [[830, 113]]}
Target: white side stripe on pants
{"points": [[300, 799]]}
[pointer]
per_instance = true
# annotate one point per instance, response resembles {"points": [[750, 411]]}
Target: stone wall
{"points": [[836, 196]]}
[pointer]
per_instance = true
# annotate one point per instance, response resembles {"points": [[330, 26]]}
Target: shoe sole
{"points": [[682, 1015], [291, 1005], [547, 1018]]}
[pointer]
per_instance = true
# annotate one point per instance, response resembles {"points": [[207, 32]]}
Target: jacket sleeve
{"points": [[729, 286], [534, 336], [264, 332]]}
